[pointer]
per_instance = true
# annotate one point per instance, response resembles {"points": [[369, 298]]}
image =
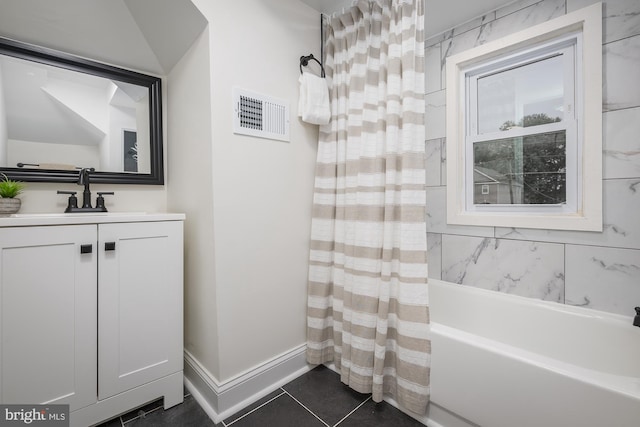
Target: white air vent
{"points": [[260, 115]]}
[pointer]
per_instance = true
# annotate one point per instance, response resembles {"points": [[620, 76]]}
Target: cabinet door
{"points": [[48, 315], [140, 304]]}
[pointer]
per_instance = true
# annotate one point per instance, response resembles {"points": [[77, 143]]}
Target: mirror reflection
{"points": [[55, 118], [60, 113]]}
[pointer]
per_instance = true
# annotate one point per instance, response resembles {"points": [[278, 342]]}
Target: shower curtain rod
{"points": [[322, 42]]}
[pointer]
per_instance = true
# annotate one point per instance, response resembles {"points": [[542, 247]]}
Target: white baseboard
{"points": [[221, 400]]}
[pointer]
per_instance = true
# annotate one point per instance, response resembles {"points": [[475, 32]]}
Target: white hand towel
{"points": [[302, 99], [313, 105]]}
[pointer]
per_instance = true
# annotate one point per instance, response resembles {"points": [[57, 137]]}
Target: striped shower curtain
{"points": [[367, 305]]}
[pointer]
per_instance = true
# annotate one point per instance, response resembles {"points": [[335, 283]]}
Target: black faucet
{"points": [[83, 179]]}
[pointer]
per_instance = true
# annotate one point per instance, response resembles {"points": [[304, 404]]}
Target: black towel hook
{"points": [[304, 61]]}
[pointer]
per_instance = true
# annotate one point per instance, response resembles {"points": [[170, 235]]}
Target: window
{"points": [[520, 132], [524, 128]]}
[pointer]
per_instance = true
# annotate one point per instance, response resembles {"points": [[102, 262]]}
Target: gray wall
{"points": [[596, 270]]}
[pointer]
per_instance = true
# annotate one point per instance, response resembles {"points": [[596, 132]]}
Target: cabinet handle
{"points": [[86, 249], [109, 246]]}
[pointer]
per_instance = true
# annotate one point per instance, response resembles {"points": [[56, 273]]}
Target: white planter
{"points": [[9, 206]]}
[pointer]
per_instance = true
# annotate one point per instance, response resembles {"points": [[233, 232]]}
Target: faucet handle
{"points": [[100, 200], [73, 200]]}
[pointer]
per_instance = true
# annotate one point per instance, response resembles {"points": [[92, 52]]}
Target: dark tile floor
{"points": [[317, 398]]}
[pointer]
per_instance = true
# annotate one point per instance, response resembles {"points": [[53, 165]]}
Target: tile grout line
{"points": [[354, 410], [310, 411], [255, 409]]}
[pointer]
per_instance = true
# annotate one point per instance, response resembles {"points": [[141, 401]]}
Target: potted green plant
{"points": [[9, 189]]}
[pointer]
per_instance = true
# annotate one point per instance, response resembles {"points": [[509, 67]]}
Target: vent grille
{"points": [[250, 113], [260, 115]]}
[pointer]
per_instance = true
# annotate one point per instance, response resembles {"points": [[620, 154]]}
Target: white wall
{"points": [[190, 190], [46, 152], [120, 119], [143, 136], [254, 305], [262, 188]]}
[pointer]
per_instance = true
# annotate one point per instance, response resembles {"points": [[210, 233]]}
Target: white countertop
{"points": [[30, 220]]}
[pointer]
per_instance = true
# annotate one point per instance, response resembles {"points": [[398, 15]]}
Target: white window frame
{"points": [[581, 33], [565, 47]]}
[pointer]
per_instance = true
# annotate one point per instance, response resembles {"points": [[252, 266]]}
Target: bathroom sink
{"points": [[56, 215], [72, 215], [34, 219], [59, 218]]}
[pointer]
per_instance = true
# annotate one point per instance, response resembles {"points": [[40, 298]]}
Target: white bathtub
{"points": [[500, 360]]}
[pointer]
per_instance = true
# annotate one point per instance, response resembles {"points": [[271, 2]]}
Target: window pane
{"points": [[528, 95], [525, 170]]}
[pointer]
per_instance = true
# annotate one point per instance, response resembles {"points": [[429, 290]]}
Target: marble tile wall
{"points": [[595, 270]]}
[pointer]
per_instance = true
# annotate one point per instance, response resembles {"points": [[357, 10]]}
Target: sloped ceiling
{"points": [[169, 26], [152, 35], [144, 35]]}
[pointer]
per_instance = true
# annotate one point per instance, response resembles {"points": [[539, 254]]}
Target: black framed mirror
{"points": [[60, 112]]}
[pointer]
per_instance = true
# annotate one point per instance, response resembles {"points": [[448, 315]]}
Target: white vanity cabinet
{"points": [[91, 312], [140, 306], [48, 312]]}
